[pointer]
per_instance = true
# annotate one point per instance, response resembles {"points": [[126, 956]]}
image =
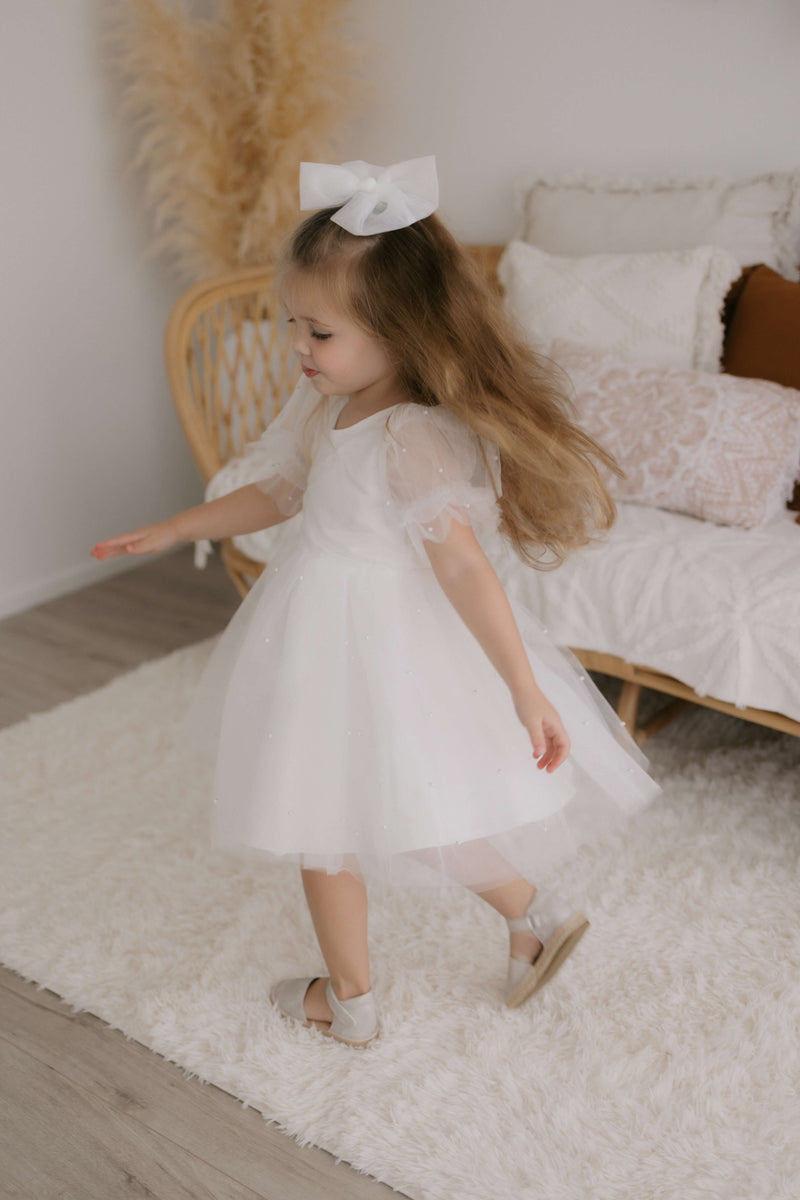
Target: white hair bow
{"points": [[373, 199]]}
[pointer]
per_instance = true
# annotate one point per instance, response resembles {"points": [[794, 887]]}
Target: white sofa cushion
{"points": [[716, 607], [658, 310]]}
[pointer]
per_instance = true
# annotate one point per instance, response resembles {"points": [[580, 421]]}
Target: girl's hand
{"points": [[150, 539], [548, 736]]}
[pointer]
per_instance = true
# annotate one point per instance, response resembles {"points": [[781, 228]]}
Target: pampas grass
{"points": [[225, 108]]}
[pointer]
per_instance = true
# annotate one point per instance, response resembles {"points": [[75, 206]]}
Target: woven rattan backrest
{"points": [[230, 363]]}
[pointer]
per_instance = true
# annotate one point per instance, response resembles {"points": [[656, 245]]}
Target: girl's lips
{"points": [[309, 372]]}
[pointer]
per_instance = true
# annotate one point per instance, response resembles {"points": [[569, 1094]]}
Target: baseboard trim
{"points": [[18, 600]]}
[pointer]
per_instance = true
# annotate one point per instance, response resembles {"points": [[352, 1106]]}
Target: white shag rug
{"points": [[662, 1062]]}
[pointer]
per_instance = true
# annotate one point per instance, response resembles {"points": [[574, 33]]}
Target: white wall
{"points": [[627, 87], [90, 442], [496, 90]]}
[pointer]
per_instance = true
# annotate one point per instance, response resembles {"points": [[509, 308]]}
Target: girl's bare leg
{"points": [[338, 907], [510, 898]]}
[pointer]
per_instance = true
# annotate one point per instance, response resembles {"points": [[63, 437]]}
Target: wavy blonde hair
{"points": [[419, 292]]}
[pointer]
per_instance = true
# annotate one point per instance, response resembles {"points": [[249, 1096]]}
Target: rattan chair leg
{"points": [[628, 705]]}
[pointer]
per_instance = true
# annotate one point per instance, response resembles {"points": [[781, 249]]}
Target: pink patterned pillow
{"points": [[718, 447]]}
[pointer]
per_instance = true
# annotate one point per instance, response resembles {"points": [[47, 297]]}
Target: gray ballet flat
{"points": [[355, 1021], [558, 929]]}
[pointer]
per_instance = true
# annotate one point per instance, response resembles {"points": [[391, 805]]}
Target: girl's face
{"points": [[337, 355]]}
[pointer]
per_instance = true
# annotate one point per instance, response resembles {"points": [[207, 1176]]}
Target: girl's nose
{"points": [[299, 343]]}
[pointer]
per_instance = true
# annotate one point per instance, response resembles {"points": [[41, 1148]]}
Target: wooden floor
{"points": [[84, 1113]]}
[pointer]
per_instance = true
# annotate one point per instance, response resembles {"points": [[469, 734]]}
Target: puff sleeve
{"points": [[278, 463], [282, 455], [437, 474]]}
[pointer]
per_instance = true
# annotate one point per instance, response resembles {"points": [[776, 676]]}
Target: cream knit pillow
{"points": [[661, 309], [757, 219]]}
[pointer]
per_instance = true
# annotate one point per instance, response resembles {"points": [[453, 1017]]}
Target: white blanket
{"points": [[716, 607]]}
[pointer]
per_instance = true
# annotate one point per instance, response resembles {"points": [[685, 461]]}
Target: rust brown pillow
{"points": [[762, 340]]}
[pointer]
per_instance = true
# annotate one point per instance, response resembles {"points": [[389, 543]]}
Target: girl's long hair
{"points": [[418, 291]]}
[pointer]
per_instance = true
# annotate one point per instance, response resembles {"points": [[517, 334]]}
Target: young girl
{"points": [[377, 706]]}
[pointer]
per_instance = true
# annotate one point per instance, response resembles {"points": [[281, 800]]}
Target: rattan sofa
{"points": [[230, 367]]}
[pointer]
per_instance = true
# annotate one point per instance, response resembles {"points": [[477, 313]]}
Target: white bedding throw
{"points": [[717, 607]]}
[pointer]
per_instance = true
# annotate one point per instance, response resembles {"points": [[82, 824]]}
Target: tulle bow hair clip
{"points": [[372, 199]]}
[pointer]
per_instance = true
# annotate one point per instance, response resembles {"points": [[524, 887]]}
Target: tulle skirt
{"points": [[355, 723]]}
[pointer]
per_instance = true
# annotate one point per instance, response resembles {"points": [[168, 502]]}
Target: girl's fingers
{"points": [[557, 750], [119, 542], [561, 746], [548, 739], [112, 548], [538, 739], [141, 541]]}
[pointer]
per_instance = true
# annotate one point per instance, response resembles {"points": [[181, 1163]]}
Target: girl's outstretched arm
{"points": [[468, 580], [245, 510]]}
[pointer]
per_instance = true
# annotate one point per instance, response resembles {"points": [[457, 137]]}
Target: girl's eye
{"points": [[321, 337]]}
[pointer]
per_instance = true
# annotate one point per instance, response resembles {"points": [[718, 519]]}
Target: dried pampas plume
{"points": [[226, 108]]}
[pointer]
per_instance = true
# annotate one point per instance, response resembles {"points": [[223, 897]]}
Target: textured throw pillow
{"points": [[756, 219], [713, 446], [661, 309]]}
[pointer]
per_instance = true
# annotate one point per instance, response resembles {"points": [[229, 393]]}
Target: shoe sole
{"points": [[348, 1041], [553, 954]]}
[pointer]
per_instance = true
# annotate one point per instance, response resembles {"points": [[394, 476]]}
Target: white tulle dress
{"points": [[354, 720]]}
